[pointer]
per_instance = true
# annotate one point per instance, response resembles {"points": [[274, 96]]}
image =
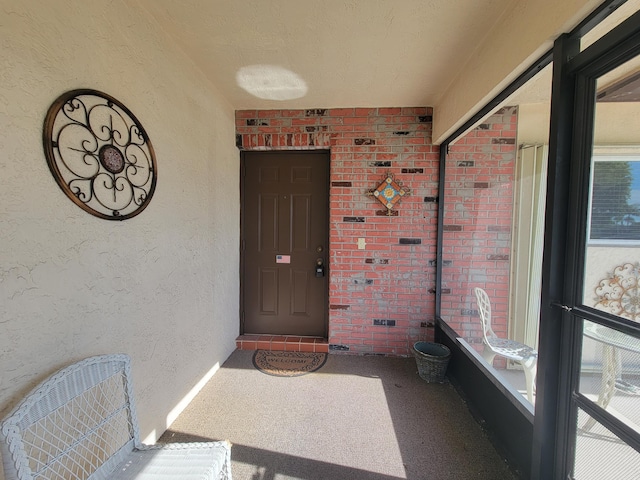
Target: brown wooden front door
{"points": [[285, 208]]}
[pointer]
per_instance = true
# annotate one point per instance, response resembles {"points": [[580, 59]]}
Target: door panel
{"points": [[300, 293], [268, 292], [268, 231], [285, 235], [301, 222], [607, 403]]}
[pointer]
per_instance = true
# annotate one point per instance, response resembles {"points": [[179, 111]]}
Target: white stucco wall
{"points": [[161, 287], [617, 124], [520, 36]]}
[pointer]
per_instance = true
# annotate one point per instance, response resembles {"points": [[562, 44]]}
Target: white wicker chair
{"points": [[511, 349], [80, 424]]}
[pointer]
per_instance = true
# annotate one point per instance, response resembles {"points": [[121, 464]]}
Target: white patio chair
{"points": [[511, 349], [80, 424]]}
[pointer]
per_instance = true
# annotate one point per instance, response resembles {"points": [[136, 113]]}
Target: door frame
{"points": [[562, 308], [321, 152], [527, 242]]}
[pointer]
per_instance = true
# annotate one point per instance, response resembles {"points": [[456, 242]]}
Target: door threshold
{"points": [[282, 343]]}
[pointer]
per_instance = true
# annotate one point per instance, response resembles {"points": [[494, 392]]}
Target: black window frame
{"points": [[560, 333]]}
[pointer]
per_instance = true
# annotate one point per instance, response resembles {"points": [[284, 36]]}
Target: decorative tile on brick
{"points": [[402, 132], [480, 184], [466, 163], [380, 164], [497, 257], [353, 219], [431, 199], [465, 312], [340, 184], [425, 118], [413, 170], [452, 228], [318, 112], [364, 141]]}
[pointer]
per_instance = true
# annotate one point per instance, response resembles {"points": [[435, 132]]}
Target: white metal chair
{"points": [[80, 424], [511, 349]]}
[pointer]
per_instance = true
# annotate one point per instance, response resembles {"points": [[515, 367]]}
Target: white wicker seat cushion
{"points": [[184, 461]]}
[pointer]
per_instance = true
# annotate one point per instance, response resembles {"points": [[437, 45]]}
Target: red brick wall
{"points": [[480, 172], [380, 298]]}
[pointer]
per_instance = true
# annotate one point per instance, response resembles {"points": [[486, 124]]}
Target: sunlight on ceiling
{"points": [[270, 82]]}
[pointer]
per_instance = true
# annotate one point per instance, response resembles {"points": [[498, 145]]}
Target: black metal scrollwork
{"points": [[99, 154]]}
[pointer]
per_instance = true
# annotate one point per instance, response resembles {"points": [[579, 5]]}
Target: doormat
{"points": [[288, 364]]}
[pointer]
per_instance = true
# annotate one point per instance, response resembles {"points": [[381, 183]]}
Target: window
{"points": [[615, 199]]}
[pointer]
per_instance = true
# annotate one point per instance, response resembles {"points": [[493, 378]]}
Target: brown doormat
{"points": [[288, 364]]}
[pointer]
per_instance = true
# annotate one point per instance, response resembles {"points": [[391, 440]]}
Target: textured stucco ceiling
{"points": [[328, 53]]}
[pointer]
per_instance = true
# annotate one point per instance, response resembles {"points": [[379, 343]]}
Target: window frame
{"points": [[609, 154]]}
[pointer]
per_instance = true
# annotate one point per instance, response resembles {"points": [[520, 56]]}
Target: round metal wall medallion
{"points": [[99, 154]]}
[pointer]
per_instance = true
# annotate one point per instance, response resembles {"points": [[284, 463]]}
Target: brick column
{"points": [[477, 225]]}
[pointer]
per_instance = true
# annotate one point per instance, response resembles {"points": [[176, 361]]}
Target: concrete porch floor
{"points": [[600, 454], [358, 417]]}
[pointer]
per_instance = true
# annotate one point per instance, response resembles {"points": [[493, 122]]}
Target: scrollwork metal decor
{"points": [[389, 192], [99, 154], [619, 293]]}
